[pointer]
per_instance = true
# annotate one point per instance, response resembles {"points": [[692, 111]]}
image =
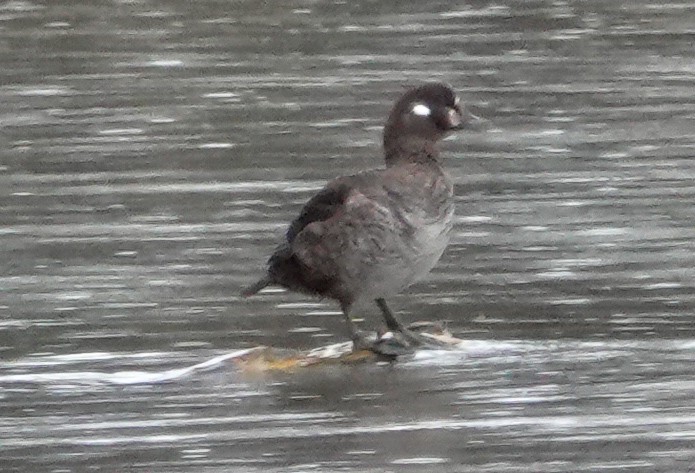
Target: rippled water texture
{"points": [[153, 151]]}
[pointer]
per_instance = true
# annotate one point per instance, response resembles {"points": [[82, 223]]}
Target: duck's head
{"points": [[421, 117]]}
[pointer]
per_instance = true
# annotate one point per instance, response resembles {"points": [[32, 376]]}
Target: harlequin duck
{"points": [[372, 234]]}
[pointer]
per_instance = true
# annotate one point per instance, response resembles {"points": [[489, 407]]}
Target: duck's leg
{"points": [[383, 347], [358, 340], [391, 320], [396, 325]]}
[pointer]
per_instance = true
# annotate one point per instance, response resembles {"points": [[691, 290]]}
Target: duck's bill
{"points": [[459, 120]]}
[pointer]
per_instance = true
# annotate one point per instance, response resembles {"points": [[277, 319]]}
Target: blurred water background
{"points": [[153, 152]]}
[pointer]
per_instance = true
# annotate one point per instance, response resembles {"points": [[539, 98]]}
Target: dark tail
{"points": [[254, 288], [283, 270]]}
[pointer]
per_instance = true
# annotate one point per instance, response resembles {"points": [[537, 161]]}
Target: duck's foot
{"points": [[387, 345], [419, 335], [393, 343]]}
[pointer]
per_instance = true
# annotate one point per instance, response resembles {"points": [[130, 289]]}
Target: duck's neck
{"points": [[409, 149]]}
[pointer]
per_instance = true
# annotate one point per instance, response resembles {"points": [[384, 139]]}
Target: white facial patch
{"points": [[456, 101], [421, 110]]}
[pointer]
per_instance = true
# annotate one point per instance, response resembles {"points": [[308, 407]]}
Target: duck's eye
{"points": [[421, 110]]}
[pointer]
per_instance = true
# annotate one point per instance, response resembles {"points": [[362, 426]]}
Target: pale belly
{"points": [[420, 254]]}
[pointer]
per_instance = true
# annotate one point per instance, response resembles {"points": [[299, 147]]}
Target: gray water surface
{"points": [[153, 152]]}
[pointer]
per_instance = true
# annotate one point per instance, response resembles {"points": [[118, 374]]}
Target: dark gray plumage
{"points": [[372, 234]]}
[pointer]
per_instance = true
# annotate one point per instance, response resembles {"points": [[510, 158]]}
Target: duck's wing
{"points": [[305, 261], [283, 266], [324, 205]]}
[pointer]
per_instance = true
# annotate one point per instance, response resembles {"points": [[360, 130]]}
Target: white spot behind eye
{"points": [[457, 100], [421, 110]]}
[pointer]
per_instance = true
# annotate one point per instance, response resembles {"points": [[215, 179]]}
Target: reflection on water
{"points": [[153, 152]]}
